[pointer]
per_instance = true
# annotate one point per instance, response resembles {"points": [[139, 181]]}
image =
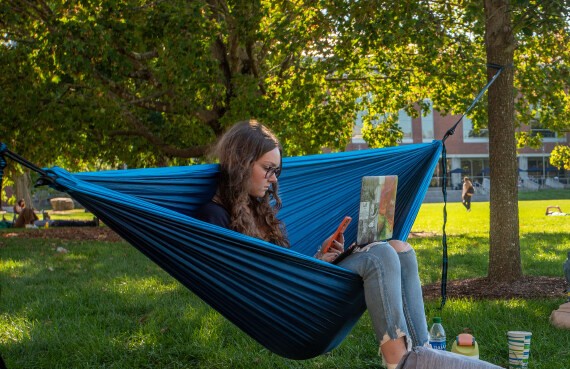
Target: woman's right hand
{"points": [[329, 256], [333, 252]]}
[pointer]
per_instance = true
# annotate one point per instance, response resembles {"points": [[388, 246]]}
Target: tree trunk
{"points": [[22, 185], [504, 254]]}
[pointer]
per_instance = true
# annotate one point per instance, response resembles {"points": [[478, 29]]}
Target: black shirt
{"points": [[214, 213]]}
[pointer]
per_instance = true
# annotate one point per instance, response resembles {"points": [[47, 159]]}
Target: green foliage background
{"points": [[148, 83]]}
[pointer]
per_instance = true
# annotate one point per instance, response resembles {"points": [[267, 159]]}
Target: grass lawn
{"points": [[104, 305]]}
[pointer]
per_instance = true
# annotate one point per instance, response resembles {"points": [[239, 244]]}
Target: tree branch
{"points": [[142, 56], [145, 103], [141, 130], [42, 10]]}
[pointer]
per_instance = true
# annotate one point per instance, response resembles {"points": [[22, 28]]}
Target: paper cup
{"points": [[519, 349]]}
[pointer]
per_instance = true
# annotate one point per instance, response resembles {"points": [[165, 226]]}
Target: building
{"points": [[468, 152]]}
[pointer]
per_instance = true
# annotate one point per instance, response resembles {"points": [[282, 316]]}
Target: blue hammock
{"points": [[294, 305]]}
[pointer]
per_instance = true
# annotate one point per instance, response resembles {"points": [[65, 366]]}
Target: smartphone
{"points": [[336, 235]]}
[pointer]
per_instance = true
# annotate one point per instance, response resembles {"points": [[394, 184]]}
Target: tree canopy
{"points": [[150, 82], [145, 82]]}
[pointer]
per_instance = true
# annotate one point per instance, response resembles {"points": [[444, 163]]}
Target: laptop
{"points": [[377, 208], [376, 212]]}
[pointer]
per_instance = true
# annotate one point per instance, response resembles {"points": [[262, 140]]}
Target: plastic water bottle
{"points": [[437, 335]]}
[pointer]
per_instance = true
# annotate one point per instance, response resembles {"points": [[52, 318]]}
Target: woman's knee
{"points": [[379, 258], [400, 246], [383, 250]]}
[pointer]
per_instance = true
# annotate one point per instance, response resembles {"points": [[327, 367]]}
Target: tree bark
{"points": [[504, 253], [22, 185]]}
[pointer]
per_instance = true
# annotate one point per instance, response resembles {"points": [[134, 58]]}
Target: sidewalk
{"points": [[434, 194]]}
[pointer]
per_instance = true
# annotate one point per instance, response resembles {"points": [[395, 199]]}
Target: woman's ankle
{"points": [[392, 351]]}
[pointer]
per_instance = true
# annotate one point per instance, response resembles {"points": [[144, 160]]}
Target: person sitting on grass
{"points": [[19, 206], [28, 218], [559, 211]]}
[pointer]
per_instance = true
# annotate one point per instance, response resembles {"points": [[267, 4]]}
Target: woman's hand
{"points": [[337, 247]]}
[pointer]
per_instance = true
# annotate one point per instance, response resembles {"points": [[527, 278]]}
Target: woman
{"points": [[247, 201], [467, 192], [19, 206]]}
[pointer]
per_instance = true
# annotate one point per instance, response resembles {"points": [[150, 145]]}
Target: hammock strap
{"points": [[17, 158], [2, 166], [451, 131], [444, 237], [45, 179]]}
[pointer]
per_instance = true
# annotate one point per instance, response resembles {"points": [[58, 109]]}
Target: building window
{"points": [[539, 167], [405, 123], [537, 128], [476, 169], [357, 128], [469, 134], [427, 124]]}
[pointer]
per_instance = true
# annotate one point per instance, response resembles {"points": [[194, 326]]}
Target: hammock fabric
{"points": [[291, 303]]}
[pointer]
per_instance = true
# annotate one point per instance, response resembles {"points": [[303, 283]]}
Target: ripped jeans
{"points": [[392, 291]]}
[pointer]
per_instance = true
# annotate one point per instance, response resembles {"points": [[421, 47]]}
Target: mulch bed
{"points": [[483, 288], [477, 288], [67, 233]]}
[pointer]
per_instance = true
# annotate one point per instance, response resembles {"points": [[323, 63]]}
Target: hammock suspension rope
{"points": [[450, 132]]}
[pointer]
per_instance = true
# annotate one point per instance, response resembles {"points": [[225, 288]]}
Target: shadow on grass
{"points": [[107, 306], [100, 305], [468, 256], [544, 253], [489, 321]]}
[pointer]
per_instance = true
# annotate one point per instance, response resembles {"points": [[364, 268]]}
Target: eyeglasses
{"points": [[269, 171]]}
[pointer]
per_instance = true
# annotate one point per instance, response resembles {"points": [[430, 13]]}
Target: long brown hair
{"points": [[237, 150]]}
